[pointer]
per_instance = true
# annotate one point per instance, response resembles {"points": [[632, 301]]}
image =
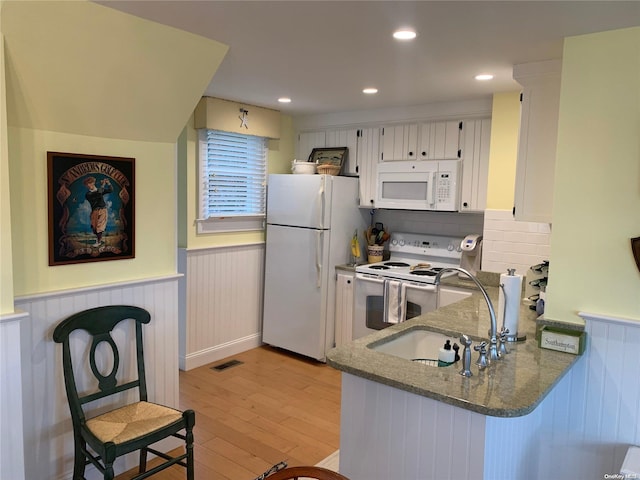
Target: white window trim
{"points": [[221, 224]]}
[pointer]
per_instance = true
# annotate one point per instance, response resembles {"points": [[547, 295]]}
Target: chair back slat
{"points": [[99, 323]]}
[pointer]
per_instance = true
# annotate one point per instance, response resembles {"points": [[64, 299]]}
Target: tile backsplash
{"points": [[434, 223], [506, 244], [511, 244]]}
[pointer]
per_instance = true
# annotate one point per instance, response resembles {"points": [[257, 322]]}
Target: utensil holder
{"points": [[374, 253]]}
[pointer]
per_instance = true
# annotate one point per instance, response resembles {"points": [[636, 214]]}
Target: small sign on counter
{"points": [[568, 341]]}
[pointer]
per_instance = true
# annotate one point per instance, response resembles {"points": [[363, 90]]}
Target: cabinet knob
{"points": [[424, 154], [465, 204], [411, 154]]}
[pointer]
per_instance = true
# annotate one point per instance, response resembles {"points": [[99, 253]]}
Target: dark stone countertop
{"points": [[511, 387]]}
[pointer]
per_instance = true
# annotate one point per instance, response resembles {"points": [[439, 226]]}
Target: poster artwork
{"points": [[91, 208]]}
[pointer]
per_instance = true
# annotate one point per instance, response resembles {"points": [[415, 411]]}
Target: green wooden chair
{"points": [[126, 428]]}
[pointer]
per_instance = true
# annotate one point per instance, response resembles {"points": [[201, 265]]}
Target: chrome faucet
{"points": [[493, 333]]}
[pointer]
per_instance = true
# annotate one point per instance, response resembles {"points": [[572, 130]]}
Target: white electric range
{"points": [[403, 286]]}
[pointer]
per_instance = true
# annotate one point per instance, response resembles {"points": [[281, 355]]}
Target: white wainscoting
{"points": [[11, 428], [582, 429], [223, 302], [593, 414], [48, 439]]}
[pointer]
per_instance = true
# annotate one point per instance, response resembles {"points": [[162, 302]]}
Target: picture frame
{"points": [[335, 156], [91, 204]]}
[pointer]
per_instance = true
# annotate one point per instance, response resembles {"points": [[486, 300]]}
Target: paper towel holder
{"points": [[511, 336]]}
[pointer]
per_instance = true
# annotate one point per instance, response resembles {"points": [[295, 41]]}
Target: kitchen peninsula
{"points": [[402, 419]]}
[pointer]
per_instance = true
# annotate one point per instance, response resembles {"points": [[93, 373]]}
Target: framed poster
{"points": [[91, 208]]}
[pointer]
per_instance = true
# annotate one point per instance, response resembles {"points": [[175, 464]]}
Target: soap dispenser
{"points": [[446, 356]]}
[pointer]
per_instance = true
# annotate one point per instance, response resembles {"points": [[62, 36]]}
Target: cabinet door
{"points": [[439, 140], [345, 138], [475, 137], [399, 142], [367, 159], [537, 140], [344, 307], [307, 141]]}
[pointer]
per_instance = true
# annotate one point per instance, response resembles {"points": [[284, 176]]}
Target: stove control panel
{"points": [[429, 245]]}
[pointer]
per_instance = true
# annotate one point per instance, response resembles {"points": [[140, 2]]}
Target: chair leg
{"points": [[79, 460], [190, 463], [143, 460], [108, 471], [189, 445], [109, 458]]}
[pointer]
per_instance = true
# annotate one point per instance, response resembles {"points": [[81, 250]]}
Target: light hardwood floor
{"points": [[275, 406]]}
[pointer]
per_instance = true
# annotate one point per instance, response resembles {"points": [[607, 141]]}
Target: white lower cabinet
{"points": [[345, 282]]}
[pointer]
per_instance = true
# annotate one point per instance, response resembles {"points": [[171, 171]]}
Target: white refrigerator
{"points": [[310, 222]]}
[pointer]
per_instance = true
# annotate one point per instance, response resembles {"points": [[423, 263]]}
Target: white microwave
{"points": [[419, 185]]}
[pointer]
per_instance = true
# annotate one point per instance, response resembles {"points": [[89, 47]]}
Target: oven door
{"points": [[370, 307]]}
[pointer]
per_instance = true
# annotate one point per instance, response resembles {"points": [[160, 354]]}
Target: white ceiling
{"points": [[323, 53]]}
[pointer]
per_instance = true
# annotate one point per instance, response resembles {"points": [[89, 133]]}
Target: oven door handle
{"points": [[367, 277], [427, 287]]}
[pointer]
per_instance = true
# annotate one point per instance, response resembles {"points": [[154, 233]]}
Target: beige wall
{"points": [[597, 179], [75, 87], [505, 121], [6, 260], [155, 211], [281, 152]]}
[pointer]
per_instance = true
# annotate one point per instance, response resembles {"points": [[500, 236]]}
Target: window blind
{"points": [[233, 174]]}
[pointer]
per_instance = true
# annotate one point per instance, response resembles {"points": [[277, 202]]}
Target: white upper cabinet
{"points": [[540, 101], [399, 142], [439, 140], [475, 137], [307, 141], [424, 141], [345, 138], [367, 162]]}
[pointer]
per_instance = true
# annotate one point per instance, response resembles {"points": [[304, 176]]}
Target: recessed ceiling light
{"points": [[370, 91], [484, 77], [284, 100], [404, 34]]}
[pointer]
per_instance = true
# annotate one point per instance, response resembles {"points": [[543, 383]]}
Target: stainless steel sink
{"points": [[416, 345]]}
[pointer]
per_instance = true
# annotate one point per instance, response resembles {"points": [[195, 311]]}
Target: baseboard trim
{"points": [[224, 350]]}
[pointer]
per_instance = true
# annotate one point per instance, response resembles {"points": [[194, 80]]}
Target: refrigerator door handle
{"points": [[319, 239], [321, 204]]}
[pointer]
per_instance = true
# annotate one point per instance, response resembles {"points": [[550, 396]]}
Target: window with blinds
{"points": [[233, 181]]}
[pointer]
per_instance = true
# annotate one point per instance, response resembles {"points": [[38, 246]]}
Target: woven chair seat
{"points": [[132, 421]]}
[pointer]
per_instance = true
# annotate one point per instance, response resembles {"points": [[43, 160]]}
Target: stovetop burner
{"points": [[396, 264], [425, 273], [379, 267]]}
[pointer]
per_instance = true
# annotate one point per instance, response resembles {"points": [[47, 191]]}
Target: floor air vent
{"points": [[225, 365]]}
